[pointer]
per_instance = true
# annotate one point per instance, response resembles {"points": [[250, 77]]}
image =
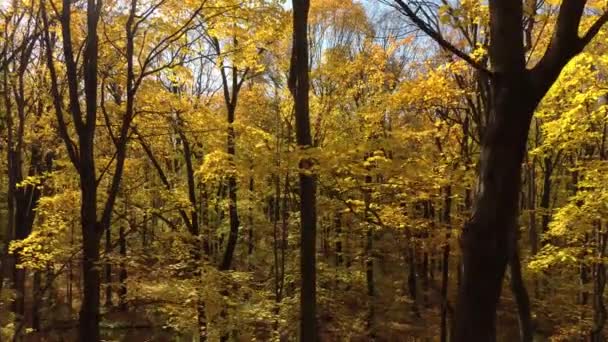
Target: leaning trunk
{"points": [[488, 238]]}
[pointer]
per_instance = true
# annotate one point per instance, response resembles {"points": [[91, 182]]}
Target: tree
{"points": [[27, 162], [299, 86], [489, 237]]}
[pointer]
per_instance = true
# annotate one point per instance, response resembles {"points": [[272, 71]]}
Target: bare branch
{"points": [[406, 10]]}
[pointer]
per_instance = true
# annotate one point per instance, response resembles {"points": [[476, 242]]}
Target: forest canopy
{"points": [[311, 170]]}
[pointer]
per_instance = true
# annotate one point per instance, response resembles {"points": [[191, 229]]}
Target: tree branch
{"points": [[406, 10], [594, 29], [565, 43]]}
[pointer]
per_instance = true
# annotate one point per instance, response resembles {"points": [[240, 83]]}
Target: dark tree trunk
{"points": [[445, 263], [412, 286], [369, 261], [22, 200], [108, 268], [91, 233], [284, 232], [489, 238], [338, 230], [546, 195], [275, 210], [231, 93], [250, 218], [36, 300], [599, 309], [299, 87], [232, 209], [122, 275], [533, 233], [82, 154], [526, 331]]}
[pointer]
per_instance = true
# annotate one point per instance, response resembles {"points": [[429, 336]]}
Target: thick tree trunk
{"points": [[91, 238], [489, 237], [89, 311]]}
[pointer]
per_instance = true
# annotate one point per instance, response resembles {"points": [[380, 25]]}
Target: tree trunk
{"points": [[447, 220], [299, 87], [108, 268], [599, 309], [488, 238], [36, 300], [533, 233], [122, 275], [546, 196], [89, 310], [250, 243], [412, 287], [526, 331], [369, 263], [338, 238]]}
